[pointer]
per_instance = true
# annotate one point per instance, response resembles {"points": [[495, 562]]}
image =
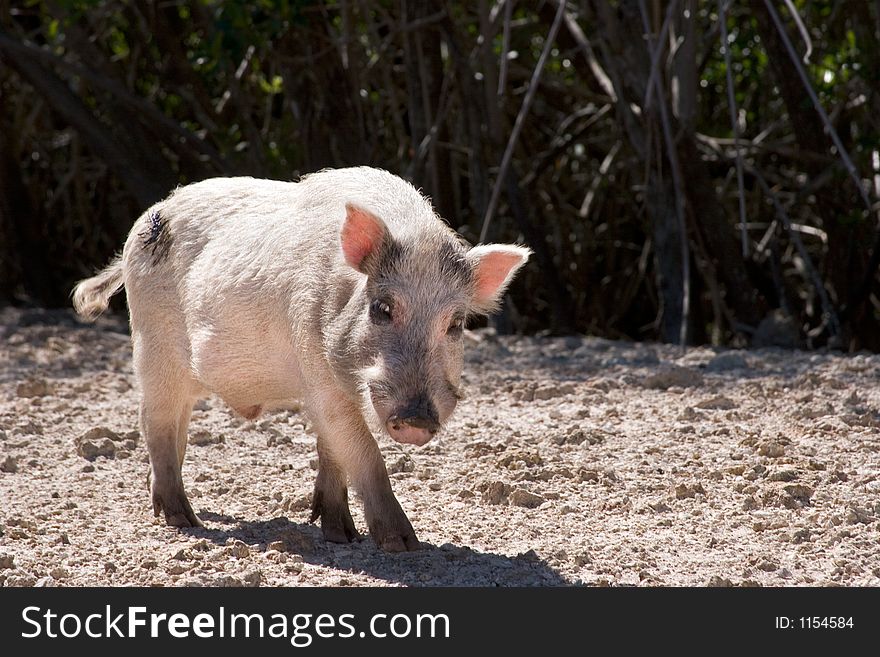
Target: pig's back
{"points": [[233, 240], [400, 205], [251, 215]]}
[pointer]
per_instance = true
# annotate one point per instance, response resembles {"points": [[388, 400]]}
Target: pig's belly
{"points": [[248, 374], [249, 397]]}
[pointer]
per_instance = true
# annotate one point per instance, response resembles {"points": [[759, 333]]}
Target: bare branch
{"points": [[595, 67], [808, 87], [505, 47], [734, 123], [672, 153], [802, 29], [584, 210], [829, 314], [520, 119], [658, 53]]}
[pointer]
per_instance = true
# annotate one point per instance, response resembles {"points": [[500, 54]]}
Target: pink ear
{"points": [[494, 267], [362, 235]]}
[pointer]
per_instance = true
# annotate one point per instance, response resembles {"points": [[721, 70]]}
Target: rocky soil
{"points": [[572, 461]]}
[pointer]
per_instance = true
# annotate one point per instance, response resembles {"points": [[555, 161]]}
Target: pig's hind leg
{"points": [[168, 397]]}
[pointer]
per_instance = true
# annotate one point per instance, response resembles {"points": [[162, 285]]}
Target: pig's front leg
{"points": [[388, 524], [351, 448], [330, 500]]}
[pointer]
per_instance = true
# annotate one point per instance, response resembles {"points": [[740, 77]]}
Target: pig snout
{"points": [[415, 423], [411, 430]]}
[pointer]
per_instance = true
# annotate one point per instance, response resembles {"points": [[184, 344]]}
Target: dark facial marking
{"points": [[454, 263], [384, 259], [156, 238]]}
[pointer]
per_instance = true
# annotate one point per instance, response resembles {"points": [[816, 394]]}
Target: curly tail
{"points": [[92, 295]]}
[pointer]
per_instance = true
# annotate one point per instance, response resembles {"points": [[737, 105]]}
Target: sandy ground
{"points": [[572, 461]]}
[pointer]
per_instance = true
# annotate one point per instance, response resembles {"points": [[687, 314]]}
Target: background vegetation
{"points": [[600, 132]]}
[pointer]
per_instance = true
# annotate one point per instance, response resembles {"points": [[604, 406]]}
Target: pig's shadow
{"points": [[445, 565]]}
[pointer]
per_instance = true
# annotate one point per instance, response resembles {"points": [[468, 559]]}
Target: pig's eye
{"points": [[455, 329], [380, 312]]}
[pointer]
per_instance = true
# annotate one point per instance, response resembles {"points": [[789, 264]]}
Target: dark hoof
{"points": [[338, 534], [183, 520], [407, 543], [395, 536], [337, 525], [178, 512]]}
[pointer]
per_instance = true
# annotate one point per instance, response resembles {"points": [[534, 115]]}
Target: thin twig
{"points": [[505, 48], [658, 53], [734, 123], [584, 210], [562, 139], [808, 87], [420, 23], [802, 29], [236, 79], [520, 120], [677, 182], [430, 138], [595, 67], [828, 312]]}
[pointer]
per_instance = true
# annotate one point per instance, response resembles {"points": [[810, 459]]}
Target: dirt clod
{"points": [[719, 582], [496, 492], [719, 403], [673, 376], [725, 362], [90, 450], [771, 449], [524, 498], [96, 434], [205, 438], [686, 491], [33, 388]]}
